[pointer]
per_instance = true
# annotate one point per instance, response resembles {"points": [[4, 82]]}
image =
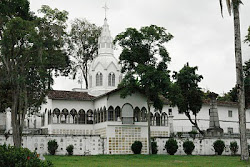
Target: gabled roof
{"points": [[69, 95]]}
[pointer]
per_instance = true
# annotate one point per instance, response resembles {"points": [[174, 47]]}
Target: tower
{"points": [[104, 72]]}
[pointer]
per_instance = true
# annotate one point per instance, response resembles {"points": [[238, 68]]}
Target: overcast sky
{"points": [[201, 36]]}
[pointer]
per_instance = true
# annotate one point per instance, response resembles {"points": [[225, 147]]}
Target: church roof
{"points": [[69, 95]]}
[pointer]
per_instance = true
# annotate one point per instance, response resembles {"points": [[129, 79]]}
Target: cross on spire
{"points": [[105, 8]]}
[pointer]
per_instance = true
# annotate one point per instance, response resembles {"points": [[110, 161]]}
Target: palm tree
{"points": [[233, 7]]}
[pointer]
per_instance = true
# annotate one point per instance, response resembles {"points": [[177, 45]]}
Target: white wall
{"points": [[202, 147], [89, 145]]}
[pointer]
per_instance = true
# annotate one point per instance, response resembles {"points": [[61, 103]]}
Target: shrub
{"points": [[136, 147], [179, 134], [154, 147], [52, 146], [70, 149], [171, 146], [188, 147], [234, 147], [21, 157], [219, 146]]}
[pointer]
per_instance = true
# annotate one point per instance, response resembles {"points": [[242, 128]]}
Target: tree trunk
{"points": [[240, 83], [194, 122], [149, 132], [16, 130]]}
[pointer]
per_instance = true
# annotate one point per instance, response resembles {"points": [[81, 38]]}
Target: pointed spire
{"points": [[105, 41]]}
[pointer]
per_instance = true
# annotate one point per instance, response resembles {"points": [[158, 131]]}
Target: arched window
{"points": [[137, 114], [99, 79], [157, 119], [111, 79], [111, 114], [81, 117], [143, 114], [117, 113], [90, 119]]}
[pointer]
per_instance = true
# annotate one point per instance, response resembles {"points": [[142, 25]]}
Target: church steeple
{"points": [[105, 41]]}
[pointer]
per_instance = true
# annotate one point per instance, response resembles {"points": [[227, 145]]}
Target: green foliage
{"points": [[22, 157], [136, 147], [52, 147], [171, 146], [70, 149], [154, 147], [144, 60], [219, 146], [31, 48], [82, 46], [188, 147], [234, 147], [179, 134], [186, 94], [232, 94]]}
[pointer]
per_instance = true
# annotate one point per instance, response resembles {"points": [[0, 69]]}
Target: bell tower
{"points": [[105, 71]]}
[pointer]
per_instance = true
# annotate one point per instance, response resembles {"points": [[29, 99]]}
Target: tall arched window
{"points": [[111, 79], [99, 79]]}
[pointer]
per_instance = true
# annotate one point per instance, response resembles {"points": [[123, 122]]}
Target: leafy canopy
{"points": [[82, 46], [185, 92], [144, 60]]}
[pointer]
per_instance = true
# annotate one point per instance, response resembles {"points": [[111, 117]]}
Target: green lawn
{"points": [[146, 160]]}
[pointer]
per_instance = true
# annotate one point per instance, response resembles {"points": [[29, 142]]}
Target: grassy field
{"points": [[146, 161]]}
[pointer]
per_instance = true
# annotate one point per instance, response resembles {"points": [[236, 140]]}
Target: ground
{"points": [[147, 161]]}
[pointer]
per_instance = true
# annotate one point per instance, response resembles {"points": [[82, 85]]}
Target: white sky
{"points": [[201, 36]]}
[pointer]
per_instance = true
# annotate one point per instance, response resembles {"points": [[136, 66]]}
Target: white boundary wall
{"points": [[83, 144], [202, 147]]}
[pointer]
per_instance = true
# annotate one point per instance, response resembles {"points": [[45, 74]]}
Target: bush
{"points": [[219, 146], [70, 149], [154, 147], [188, 147], [52, 146], [21, 157], [171, 146], [234, 147], [136, 147], [179, 134]]}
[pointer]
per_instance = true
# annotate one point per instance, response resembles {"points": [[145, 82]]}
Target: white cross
{"points": [[105, 8]]}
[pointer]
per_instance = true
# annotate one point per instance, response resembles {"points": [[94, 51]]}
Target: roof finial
{"points": [[105, 8]]}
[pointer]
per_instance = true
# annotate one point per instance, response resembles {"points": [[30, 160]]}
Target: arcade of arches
{"points": [[102, 114]]}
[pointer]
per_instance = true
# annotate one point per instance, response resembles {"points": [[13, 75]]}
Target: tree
{"points": [[233, 7], [83, 47], [31, 47], [186, 94], [144, 60]]}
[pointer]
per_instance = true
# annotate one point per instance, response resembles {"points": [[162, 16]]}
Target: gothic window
{"points": [[111, 79], [99, 79]]}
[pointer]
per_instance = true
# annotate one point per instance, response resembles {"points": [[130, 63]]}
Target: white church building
{"points": [[100, 112]]}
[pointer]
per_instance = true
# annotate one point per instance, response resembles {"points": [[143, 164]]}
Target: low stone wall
{"points": [[202, 146], [94, 144], [83, 144]]}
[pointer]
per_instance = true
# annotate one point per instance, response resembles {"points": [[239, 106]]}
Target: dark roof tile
{"points": [[69, 95]]}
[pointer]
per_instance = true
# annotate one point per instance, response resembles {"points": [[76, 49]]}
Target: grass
{"points": [[146, 161]]}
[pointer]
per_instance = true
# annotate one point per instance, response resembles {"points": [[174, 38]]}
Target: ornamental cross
{"points": [[105, 8]]}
